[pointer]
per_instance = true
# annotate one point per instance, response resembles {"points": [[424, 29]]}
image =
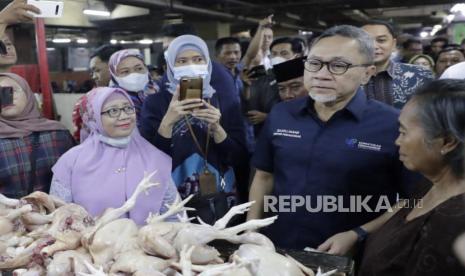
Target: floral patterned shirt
{"points": [[397, 84]]}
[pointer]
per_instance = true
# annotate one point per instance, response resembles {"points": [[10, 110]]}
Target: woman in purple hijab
{"points": [[104, 170]]}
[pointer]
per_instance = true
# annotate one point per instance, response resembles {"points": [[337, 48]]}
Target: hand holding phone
{"points": [[50, 9], [17, 12]]}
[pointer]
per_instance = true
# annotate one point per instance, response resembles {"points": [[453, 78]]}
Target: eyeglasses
{"points": [[116, 112], [335, 67]]}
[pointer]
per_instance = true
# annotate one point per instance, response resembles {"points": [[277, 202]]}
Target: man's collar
{"points": [[356, 105], [390, 69]]}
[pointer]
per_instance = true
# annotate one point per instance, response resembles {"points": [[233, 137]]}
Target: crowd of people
{"points": [[355, 111]]}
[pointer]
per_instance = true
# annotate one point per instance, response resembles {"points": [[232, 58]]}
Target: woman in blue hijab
{"points": [[205, 137]]}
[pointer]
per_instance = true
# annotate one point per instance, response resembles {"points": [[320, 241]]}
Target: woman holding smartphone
{"points": [[204, 135], [29, 144]]}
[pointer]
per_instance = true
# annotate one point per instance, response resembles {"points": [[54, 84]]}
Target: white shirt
{"points": [[266, 60], [456, 71]]}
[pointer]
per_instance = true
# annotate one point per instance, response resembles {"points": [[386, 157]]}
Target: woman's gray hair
{"points": [[365, 41], [441, 111]]}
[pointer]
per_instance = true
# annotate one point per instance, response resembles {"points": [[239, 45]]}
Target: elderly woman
{"points": [[204, 137], [417, 237], [29, 144], [105, 169]]}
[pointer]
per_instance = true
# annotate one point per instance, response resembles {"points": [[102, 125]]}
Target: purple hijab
{"points": [[103, 176]]}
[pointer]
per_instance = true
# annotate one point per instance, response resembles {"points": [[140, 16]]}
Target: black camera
{"points": [[256, 72]]}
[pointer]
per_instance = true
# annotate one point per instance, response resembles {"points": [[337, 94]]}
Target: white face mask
{"points": [[278, 60], [134, 82], [193, 70], [115, 142], [322, 98]]}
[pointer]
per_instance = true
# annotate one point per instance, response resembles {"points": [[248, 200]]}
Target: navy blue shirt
{"points": [[351, 154]]}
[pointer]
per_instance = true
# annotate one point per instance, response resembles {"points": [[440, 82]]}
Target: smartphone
{"points": [[6, 96], [47, 8], [256, 72], [190, 88], [3, 50]]}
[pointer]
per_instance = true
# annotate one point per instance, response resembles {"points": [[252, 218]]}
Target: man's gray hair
{"points": [[365, 41]]}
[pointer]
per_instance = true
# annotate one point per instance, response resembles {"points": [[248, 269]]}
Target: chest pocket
{"points": [[291, 147]]}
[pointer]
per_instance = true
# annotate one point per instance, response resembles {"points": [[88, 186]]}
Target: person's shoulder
{"points": [[377, 108], [71, 155], [450, 212], [156, 98], [289, 107], [219, 69], [454, 205], [61, 133]]}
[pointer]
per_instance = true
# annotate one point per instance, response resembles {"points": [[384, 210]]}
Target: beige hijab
{"points": [[30, 120]]}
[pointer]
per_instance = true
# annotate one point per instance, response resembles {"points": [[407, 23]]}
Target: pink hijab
{"points": [[30, 120], [117, 57], [104, 176]]}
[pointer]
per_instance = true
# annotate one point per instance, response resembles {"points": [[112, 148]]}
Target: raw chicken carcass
{"points": [[69, 222], [8, 202], [68, 263], [270, 263], [237, 268], [7, 221], [136, 261], [25, 256], [112, 239], [110, 215], [166, 238], [42, 202]]}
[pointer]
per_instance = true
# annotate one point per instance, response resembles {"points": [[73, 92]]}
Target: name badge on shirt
{"points": [[288, 133], [356, 144]]}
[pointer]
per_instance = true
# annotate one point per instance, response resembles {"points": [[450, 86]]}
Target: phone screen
{"points": [[6, 96], [3, 50]]}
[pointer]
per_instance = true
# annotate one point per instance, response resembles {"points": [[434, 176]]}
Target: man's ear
{"points": [[369, 72]]}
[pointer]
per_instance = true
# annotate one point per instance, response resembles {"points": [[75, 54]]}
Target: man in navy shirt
{"points": [[334, 145]]}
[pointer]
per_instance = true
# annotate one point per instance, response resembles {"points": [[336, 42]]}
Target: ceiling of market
{"points": [[144, 18]]}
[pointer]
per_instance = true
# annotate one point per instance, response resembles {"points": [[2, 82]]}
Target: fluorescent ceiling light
{"points": [[450, 18], [97, 13], [82, 41], [146, 41], [113, 41], [436, 28], [423, 34], [61, 40], [458, 8], [50, 49]]}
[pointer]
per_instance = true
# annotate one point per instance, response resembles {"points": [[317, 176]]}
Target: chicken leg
{"points": [[113, 214]]}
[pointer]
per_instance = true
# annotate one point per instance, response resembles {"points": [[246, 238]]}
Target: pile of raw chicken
{"points": [[42, 235]]}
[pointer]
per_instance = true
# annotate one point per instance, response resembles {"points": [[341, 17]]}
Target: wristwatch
{"points": [[361, 234]]}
